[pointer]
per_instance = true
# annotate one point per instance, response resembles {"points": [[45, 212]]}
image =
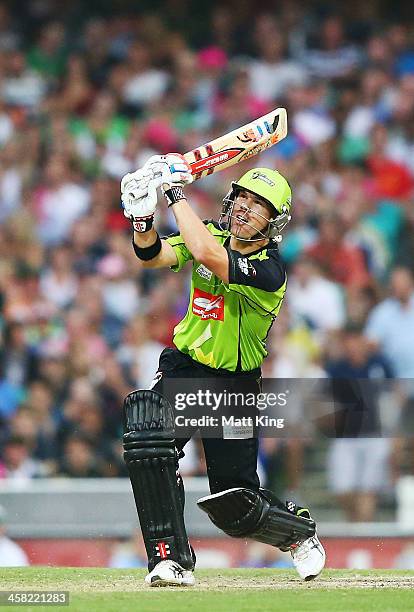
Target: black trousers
{"points": [[230, 462]]}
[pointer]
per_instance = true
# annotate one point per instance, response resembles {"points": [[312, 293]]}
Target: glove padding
{"points": [[139, 188], [139, 196], [139, 192]]}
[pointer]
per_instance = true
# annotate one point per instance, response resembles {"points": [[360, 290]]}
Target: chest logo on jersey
{"points": [[208, 306], [204, 272]]}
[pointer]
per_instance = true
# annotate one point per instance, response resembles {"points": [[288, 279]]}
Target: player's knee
{"points": [[236, 511], [148, 426], [245, 513]]}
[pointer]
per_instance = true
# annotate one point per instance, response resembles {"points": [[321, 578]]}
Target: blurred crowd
{"points": [[86, 97]]}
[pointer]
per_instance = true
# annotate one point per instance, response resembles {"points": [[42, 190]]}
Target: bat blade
{"points": [[238, 145]]}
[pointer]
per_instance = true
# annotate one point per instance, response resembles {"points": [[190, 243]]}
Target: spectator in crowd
{"points": [[142, 83], [79, 460], [343, 263], [22, 87], [59, 201], [59, 283], [314, 299], [41, 407], [390, 324], [11, 554], [331, 56], [272, 73], [16, 462], [11, 174], [47, 56], [358, 456], [19, 363]]}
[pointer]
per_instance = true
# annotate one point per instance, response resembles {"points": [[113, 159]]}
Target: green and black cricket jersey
{"points": [[226, 325]]}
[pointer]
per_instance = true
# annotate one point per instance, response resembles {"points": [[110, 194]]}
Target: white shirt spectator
{"points": [[360, 121], [145, 88], [121, 298], [60, 208], [59, 290], [147, 357], [391, 324], [319, 301], [26, 90], [313, 127], [6, 128], [401, 149], [11, 554], [142, 360], [28, 469], [271, 80], [10, 192], [329, 64]]}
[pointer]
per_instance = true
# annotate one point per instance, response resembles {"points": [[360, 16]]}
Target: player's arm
{"points": [[144, 242], [138, 194], [139, 201], [198, 240]]}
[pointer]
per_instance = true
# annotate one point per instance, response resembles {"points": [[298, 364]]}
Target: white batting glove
{"points": [[173, 167], [139, 197], [135, 185], [172, 172]]}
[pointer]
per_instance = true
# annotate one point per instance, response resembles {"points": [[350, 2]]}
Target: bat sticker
{"points": [[214, 160], [249, 136]]}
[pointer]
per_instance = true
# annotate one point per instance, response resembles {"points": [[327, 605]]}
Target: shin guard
{"points": [[151, 458]]}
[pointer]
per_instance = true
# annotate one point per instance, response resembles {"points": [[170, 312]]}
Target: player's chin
{"points": [[241, 230]]}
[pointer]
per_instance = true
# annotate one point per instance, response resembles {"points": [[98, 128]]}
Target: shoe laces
{"points": [[177, 570], [301, 550]]}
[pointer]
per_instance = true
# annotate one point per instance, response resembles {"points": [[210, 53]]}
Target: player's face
{"points": [[250, 215]]}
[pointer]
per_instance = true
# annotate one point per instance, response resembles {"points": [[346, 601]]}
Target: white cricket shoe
{"points": [[308, 558], [169, 573]]}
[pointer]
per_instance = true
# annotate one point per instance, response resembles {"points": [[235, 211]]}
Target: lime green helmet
{"points": [[272, 187]]}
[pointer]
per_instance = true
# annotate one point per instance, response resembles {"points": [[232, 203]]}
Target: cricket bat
{"points": [[238, 145]]}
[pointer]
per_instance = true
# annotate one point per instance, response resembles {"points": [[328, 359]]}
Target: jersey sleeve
{"points": [[265, 271], [260, 279], [183, 254]]}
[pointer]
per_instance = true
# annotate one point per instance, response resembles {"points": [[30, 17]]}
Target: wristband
{"points": [[147, 253], [174, 194], [142, 224]]}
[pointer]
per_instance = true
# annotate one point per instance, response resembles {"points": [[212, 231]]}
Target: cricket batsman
{"points": [[237, 289]]}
